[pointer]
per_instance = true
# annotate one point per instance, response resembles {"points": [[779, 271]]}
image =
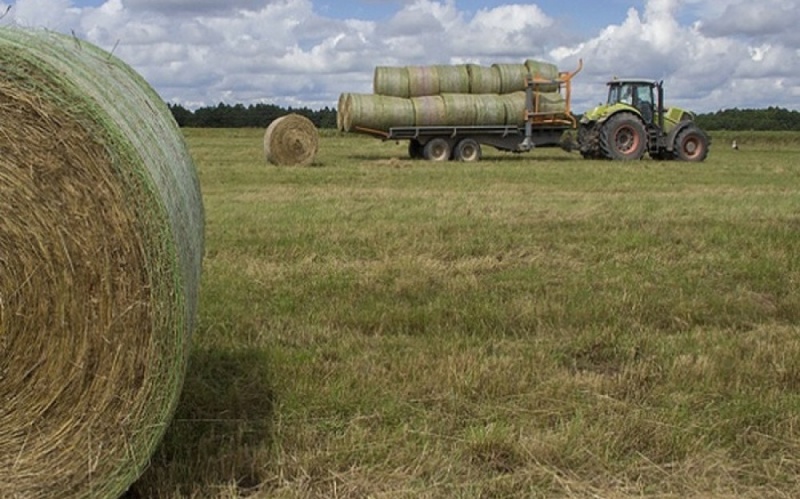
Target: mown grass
{"points": [[528, 326]]}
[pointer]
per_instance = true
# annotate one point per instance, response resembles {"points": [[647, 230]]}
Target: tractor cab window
{"points": [[643, 101], [620, 93]]}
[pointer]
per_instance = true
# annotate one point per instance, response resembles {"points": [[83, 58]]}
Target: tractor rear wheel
{"points": [[623, 137], [691, 144], [437, 149]]}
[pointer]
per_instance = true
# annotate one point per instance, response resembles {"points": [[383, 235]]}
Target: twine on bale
{"points": [[101, 243], [291, 140]]}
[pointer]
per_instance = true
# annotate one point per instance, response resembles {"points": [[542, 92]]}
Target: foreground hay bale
{"points": [[291, 140], [101, 243]]}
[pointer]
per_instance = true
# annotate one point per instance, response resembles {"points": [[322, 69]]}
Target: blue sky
{"points": [[712, 54]]}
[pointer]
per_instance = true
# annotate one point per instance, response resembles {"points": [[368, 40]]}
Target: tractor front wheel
{"points": [[623, 137], [691, 144]]}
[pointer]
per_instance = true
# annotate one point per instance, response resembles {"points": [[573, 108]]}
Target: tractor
{"points": [[634, 121]]}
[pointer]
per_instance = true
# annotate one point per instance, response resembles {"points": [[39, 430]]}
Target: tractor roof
{"points": [[644, 81]]}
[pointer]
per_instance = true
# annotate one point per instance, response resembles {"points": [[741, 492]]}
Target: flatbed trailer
{"points": [[463, 143]]}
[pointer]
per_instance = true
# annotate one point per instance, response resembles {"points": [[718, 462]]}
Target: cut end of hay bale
{"points": [[291, 140], [101, 241]]}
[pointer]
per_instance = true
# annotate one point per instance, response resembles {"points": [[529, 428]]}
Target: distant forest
{"points": [[261, 115]]}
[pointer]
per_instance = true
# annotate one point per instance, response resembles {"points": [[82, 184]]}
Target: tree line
{"points": [[261, 115], [252, 116]]}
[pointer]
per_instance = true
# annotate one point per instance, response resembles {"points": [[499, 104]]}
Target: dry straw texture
{"points": [[101, 242], [291, 140]]}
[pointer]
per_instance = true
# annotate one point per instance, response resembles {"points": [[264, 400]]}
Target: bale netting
{"points": [[473, 110], [453, 79], [423, 80], [390, 80], [291, 140], [483, 79], [429, 110], [101, 244]]}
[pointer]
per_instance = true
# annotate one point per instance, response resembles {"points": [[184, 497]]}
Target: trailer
{"points": [[538, 128]]}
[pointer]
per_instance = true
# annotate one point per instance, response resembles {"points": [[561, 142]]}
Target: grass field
{"points": [[528, 326]]}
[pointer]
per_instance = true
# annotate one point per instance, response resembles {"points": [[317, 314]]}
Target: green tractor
{"points": [[634, 121]]}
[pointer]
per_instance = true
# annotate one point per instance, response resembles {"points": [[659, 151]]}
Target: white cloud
{"points": [[712, 54]]}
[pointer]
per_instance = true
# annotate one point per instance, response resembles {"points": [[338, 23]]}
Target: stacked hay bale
{"points": [[101, 244], [461, 94]]}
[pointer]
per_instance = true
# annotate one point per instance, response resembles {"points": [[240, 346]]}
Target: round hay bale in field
{"points": [[391, 81], [543, 70], [453, 79], [291, 140], [376, 112], [483, 79], [429, 110], [101, 244], [423, 80]]}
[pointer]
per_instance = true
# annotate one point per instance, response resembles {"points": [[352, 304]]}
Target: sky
{"points": [[711, 54]]}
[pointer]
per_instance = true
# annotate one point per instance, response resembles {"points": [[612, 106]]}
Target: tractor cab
{"points": [[639, 94]]}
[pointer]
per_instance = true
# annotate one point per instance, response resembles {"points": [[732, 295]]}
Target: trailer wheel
{"points": [[468, 150], [415, 149], [437, 149]]}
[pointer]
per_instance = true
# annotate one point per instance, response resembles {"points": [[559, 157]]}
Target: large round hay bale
{"points": [[489, 110], [429, 110], [101, 244], [340, 105], [392, 81], [552, 102], [473, 109], [459, 109], [516, 107], [545, 71], [483, 79], [423, 80], [513, 77], [291, 140], [453, 79], [376, 112]]}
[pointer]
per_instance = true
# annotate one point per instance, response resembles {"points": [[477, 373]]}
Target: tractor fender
{"points": [[620, 109], [682, 125]]}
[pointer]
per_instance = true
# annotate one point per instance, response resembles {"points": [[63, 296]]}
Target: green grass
{"points": [[528, 326]]}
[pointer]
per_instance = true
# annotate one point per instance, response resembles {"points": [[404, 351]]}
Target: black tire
{"points": [[623, 137], [437, 149], [468, 150], [589, 141], [415, 149], [691, 144]]}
